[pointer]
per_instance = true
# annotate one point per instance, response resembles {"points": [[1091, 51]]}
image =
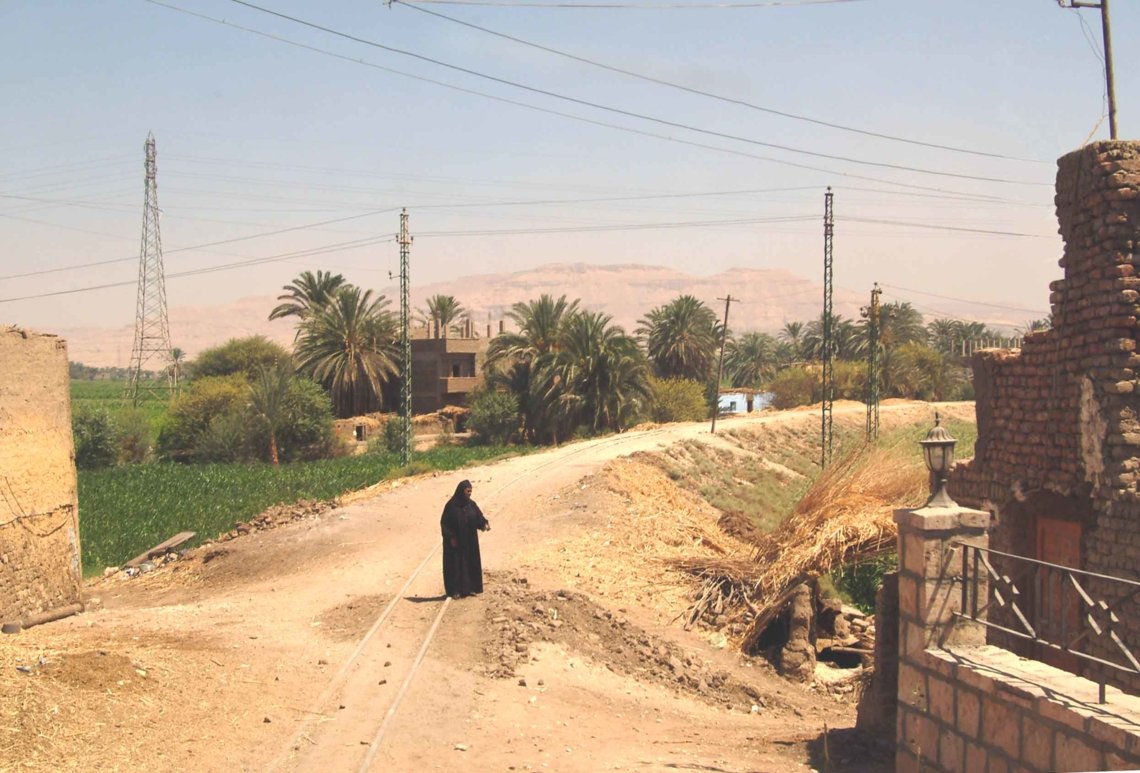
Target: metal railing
{"points": [[1050, 606]]}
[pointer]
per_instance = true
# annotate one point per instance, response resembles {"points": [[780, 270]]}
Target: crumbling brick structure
{"points": [[1056, 458], [39, 523]]}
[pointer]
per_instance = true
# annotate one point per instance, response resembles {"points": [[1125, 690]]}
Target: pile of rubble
{"points": [[520, 617], [279, 515]]}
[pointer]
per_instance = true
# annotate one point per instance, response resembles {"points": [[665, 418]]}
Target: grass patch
{"points": [[125, 510]]}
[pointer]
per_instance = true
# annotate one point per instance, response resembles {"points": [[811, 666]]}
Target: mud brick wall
{"points": [[1059, 420], [39, 523]]}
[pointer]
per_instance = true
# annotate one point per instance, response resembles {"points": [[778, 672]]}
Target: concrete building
{"points": [[446, 368]]}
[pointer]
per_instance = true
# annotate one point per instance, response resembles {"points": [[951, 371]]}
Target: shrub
{"points": [[238, 355], [96, 439], [393, 435], [859, 583], [135, 437], [796, 385], [494, 416], [192, 413], [678, 399]]}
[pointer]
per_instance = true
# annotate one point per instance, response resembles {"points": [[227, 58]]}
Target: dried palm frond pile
{"points": [[846, 517]]}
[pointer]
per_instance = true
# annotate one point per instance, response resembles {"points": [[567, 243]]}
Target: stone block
{"points": [[999, 763], [968, 712], [1037, 745], [941, 699], [1001, 727], [976, 758], [951, 750], [1075, 753]]}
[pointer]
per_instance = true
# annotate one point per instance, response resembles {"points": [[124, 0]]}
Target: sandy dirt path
{"points": [[248, 655]]}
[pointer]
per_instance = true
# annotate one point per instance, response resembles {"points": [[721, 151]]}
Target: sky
{"points": [[937, 124]]}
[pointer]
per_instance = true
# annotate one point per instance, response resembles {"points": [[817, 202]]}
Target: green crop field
{"points": [[125, 510], [108, 396]]}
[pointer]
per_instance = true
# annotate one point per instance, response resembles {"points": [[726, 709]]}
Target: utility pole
{"points": [[720, 365], [405, 345], [1106, 34], [152, 326], [828, 333], [873, 314]]}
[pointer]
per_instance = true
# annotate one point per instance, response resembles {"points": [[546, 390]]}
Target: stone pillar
{"points": [[930, 585]]}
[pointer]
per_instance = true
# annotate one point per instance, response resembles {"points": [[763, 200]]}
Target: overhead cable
{"points": [[549, 111], [414, 5], [629, 113]]}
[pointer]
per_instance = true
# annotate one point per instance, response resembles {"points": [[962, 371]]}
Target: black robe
{"points": [[462, 566]]}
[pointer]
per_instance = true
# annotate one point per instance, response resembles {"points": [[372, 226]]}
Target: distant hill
{"points": [[769, 298]]}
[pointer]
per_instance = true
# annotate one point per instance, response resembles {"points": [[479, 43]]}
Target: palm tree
{"points": [[944, 335], [792, 334], [444, 311], [177, 362], [307, 293], [847, 339], [348, 345], [901, 324], [269, 402], [751, 359], [682, 338], [600, 375], [520, 361]]}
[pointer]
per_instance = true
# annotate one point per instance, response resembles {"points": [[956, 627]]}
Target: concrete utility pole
{"points": [[405, 344], [720, 365], [152, 327], [828, 332], [1106, 33]]}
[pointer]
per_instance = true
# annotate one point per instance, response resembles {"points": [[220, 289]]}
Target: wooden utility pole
{"points": [[720, 365], [1106, 33]]}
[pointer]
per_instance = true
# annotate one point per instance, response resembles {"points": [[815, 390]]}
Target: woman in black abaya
{"points": [[461, 523]]}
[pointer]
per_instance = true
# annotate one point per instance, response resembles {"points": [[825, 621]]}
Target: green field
{"points": [[125, 510], [108, 396]]}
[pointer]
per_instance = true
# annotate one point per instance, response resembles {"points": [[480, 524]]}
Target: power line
{"points": [[622, 111], [907, 224], [966, 300], [220, 267], [641, 7], [414, 5], [202, 246], [549, 111]]}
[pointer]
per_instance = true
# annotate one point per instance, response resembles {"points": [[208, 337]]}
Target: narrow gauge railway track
{"points": [[346, 711]]}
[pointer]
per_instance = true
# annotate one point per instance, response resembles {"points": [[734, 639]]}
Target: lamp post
{"points": [[938, 453]]}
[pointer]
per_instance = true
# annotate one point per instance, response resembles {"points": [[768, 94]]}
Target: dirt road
{"points": [[302, 648]]}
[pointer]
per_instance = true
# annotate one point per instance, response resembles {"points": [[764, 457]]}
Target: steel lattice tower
{"points": [[405, 344], [828, 333], [152, 327], [873, 314]]}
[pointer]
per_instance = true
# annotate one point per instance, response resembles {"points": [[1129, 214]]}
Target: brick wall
{"points": [[967, 706], [39, 523], [1059, 420]]}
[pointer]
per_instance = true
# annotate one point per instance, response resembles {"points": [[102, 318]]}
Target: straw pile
{"points": [[844, 518]]}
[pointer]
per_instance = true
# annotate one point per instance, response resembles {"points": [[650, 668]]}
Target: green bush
{"points": [[858, 583], [212, 422], [494, 416], [195, 409], [135, 436], [96, 439], [394, 435], [238, 355], [796, 385], [678, 399]]}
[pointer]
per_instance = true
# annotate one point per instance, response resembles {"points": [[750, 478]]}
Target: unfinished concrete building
{"points": [[40, 567], [446, 368]]}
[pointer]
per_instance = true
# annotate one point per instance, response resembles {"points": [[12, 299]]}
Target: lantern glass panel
{"points": [[935, 458]]}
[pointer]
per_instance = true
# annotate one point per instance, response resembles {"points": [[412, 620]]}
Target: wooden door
{"points": [[1058, 542]]}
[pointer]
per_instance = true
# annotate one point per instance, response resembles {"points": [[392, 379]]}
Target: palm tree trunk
{"points": [[273, 449]]}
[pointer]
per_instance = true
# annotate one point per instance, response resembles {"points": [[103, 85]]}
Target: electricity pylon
{"points": [[873, 314], [152, 326]]}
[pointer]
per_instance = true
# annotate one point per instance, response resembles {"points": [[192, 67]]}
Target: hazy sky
{"points": [[256, 135]]}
